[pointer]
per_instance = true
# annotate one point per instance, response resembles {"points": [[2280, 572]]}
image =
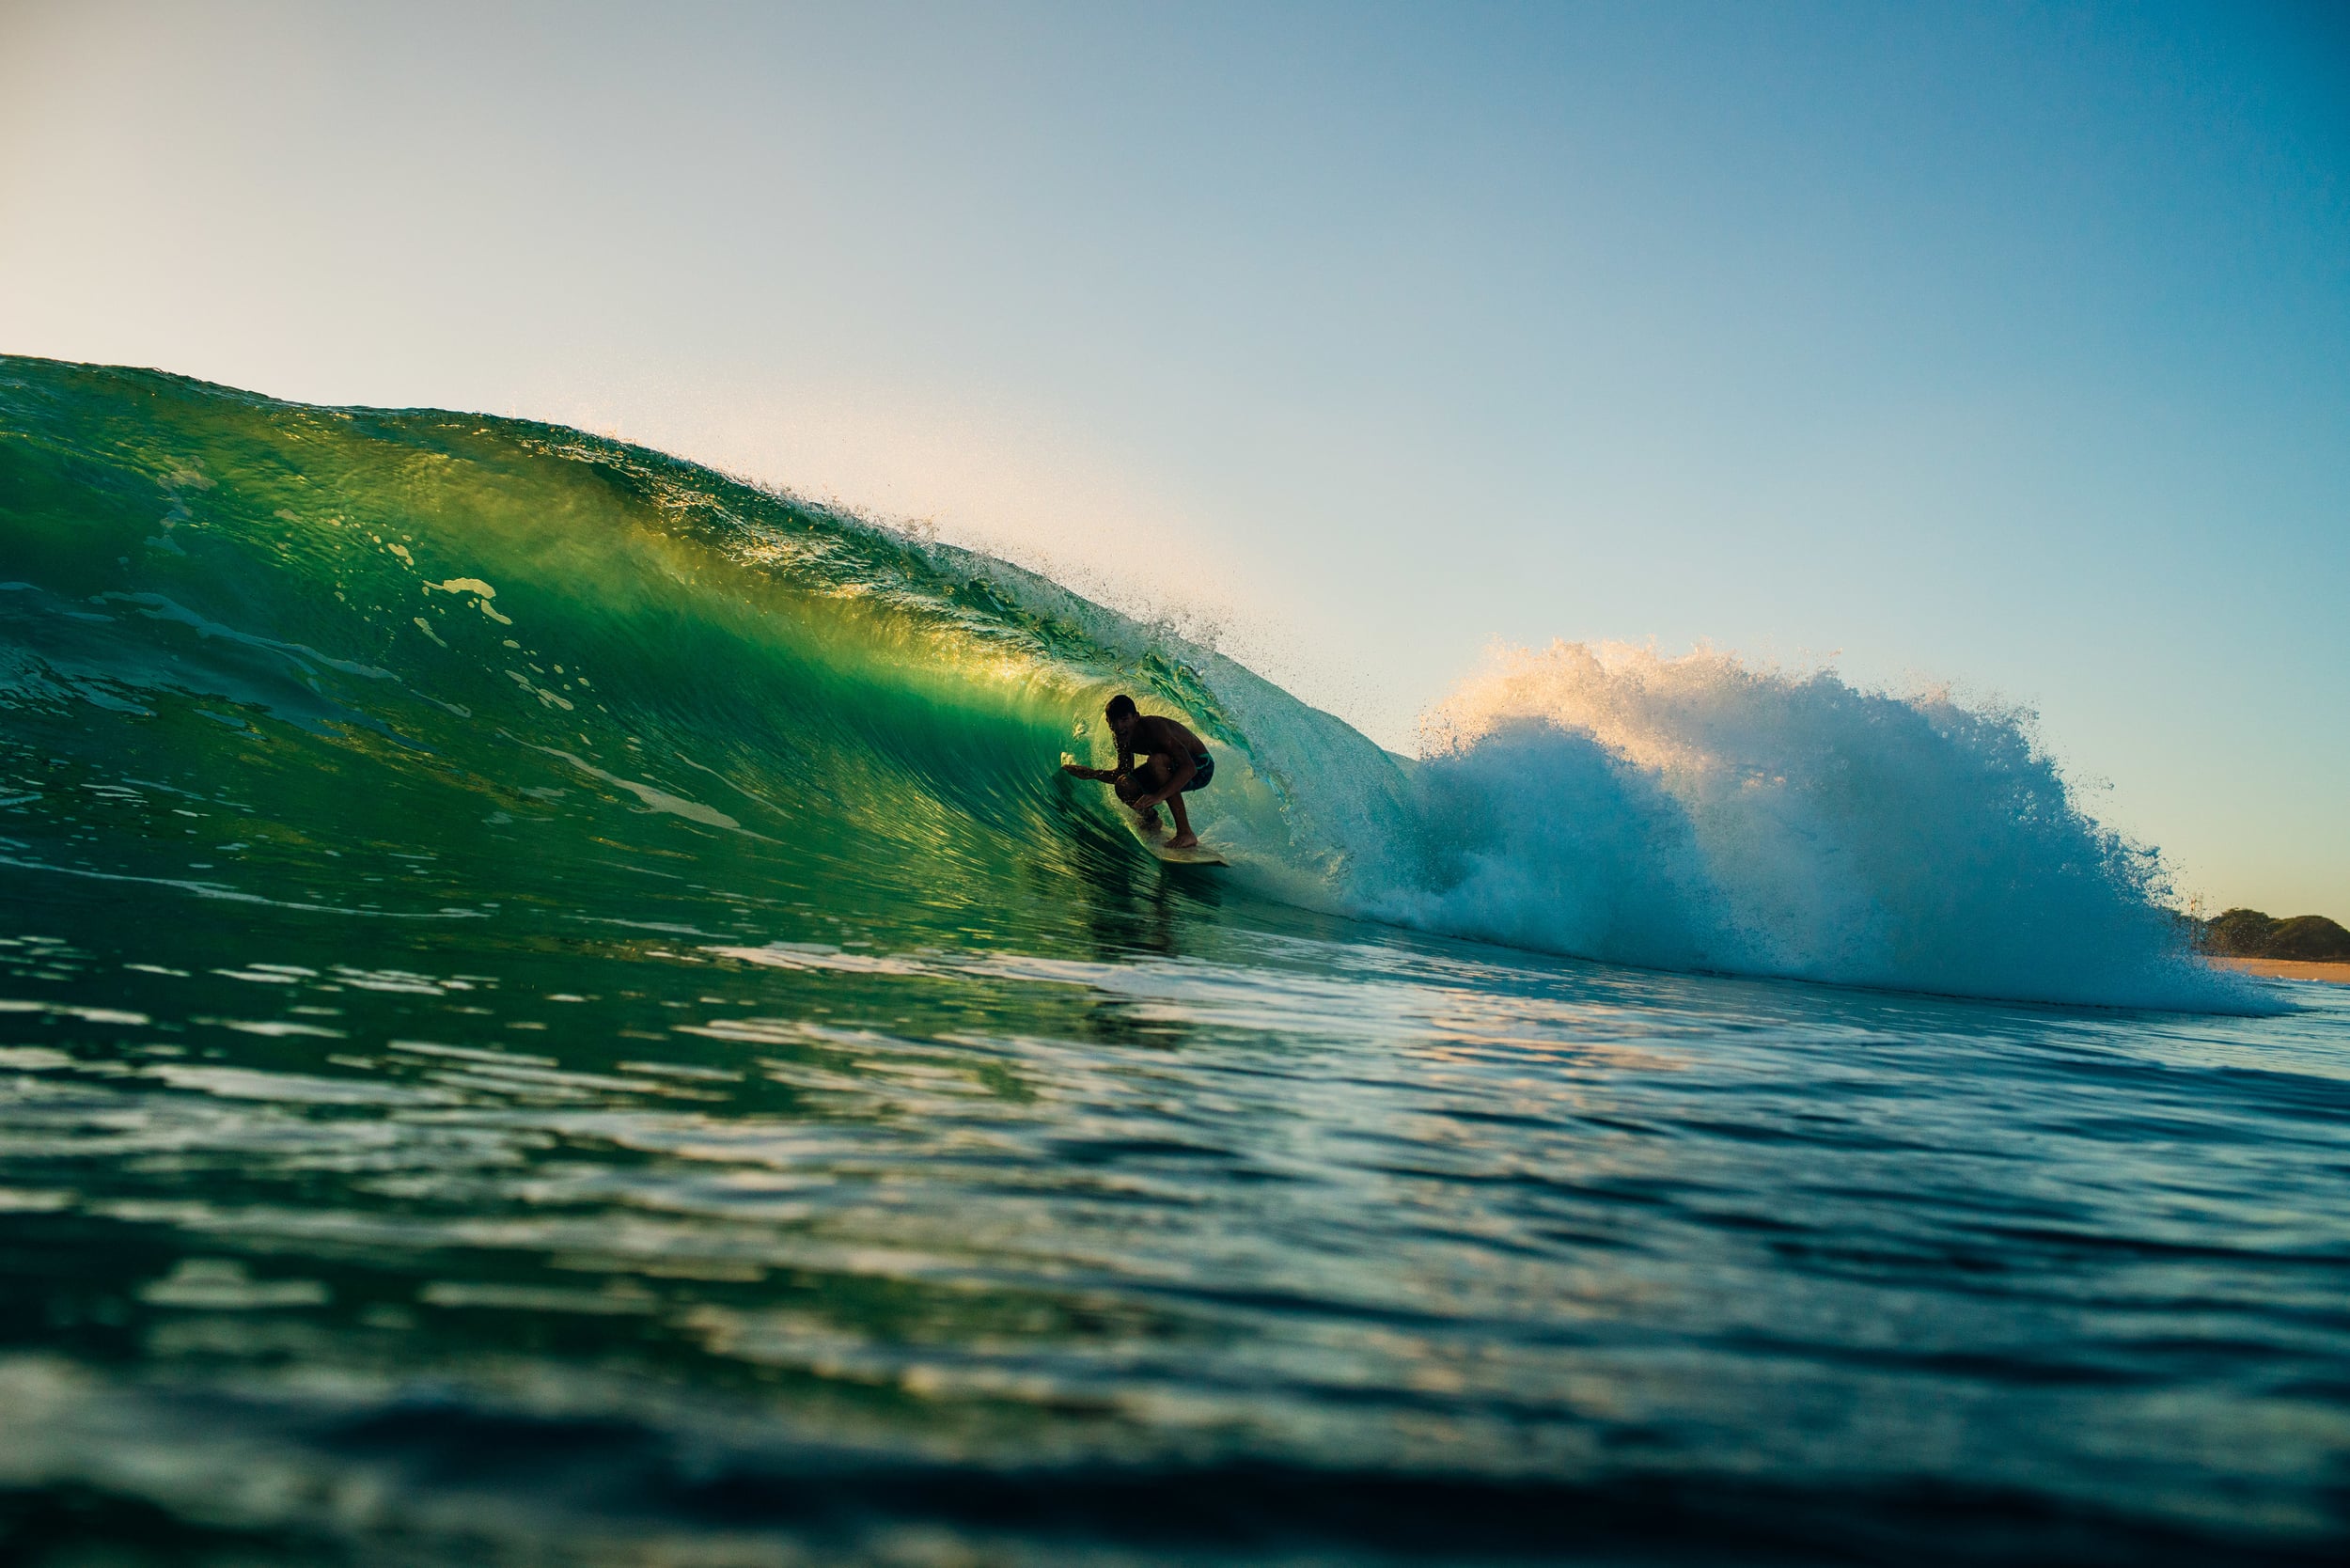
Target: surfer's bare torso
{"points": [[1154, 738]]}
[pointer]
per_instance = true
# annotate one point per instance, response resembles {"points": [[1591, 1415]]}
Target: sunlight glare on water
{"points": [[671, 1072], [1289, 1199]]}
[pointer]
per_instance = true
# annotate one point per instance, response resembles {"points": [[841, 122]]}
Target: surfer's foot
{"points": [[1184, 840], [1150, 819]]}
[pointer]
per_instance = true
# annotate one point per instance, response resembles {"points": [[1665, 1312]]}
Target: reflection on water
{"points": [[554, 1008], [1147, 1235]]}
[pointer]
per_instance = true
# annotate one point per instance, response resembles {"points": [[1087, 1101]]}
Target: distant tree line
{"points": [[2249, 934]]}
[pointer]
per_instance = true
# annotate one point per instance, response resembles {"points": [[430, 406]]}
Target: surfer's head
{"points": [[1121, 712]]}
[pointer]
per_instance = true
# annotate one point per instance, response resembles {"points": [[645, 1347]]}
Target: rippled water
{"points": [[1184, 1236], [555, 1008]]}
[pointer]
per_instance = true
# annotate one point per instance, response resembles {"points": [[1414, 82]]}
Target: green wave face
{"points": [[433, 667], [438, 668], [555, 1007]]}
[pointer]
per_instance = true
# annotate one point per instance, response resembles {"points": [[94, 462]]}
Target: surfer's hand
{"points": [[1078, 770]]}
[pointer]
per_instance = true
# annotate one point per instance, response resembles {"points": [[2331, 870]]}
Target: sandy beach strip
{"points": [[2288, 969]]}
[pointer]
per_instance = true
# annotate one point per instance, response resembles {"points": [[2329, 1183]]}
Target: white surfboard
{"points": [[1155, 841]]}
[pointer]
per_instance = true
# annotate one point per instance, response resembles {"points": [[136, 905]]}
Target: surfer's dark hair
{"points": [[1121, 706]]}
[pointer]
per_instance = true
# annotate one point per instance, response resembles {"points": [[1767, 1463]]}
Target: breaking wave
{"points": [[453, 666]]}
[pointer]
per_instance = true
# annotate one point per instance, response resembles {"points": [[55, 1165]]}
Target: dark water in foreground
{"points": [[1180, 1243], [555, 1008]]}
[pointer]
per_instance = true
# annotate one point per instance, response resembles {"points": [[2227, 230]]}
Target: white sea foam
{"points": [[1697, 812]]}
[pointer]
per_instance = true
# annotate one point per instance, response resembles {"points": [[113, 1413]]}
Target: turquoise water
{"points": [[555, 1007]]}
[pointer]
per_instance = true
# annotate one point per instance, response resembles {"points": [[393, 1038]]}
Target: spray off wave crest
{"points": [[457, 667], [1699, 813]]}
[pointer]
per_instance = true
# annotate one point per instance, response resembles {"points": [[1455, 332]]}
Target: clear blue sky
{"points": [[2007, 346]]}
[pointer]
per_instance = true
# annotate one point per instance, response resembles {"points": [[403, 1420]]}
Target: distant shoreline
{"points": [[2287, 969]]}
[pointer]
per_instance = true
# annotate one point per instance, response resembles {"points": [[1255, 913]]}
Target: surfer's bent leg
{"points": [[1184, 837], [1149, 777]]}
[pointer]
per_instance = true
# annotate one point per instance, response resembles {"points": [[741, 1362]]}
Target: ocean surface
{"points": [[555, 1007]]}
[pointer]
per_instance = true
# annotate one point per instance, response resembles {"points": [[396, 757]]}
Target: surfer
{"points": [[1174, 763]]}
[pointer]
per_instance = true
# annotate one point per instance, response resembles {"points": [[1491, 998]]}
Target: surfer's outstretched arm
{"points": [[1129, 784]]}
